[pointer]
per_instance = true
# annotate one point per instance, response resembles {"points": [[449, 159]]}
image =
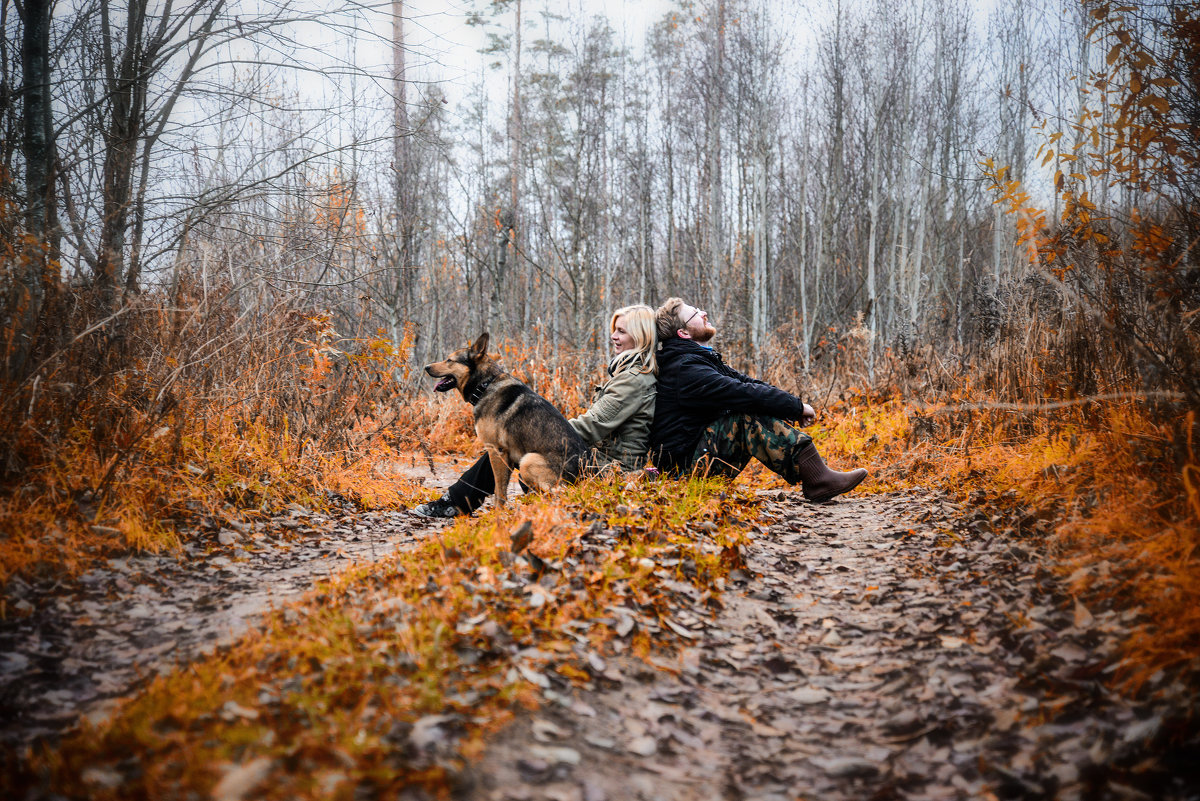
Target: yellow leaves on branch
{"points": [[1032, 233], [1114, 53], [1148, 145], [1154, 141], [1149, 240], [1155, 103]]}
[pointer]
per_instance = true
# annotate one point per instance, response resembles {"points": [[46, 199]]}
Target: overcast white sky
{"points": [[439, 34], [442, 48]]}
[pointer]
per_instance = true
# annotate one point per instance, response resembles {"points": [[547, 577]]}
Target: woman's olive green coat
{"points": [[618, 422]]}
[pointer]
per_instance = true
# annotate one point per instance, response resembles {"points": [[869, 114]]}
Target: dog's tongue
{"points": [[445, 385]]}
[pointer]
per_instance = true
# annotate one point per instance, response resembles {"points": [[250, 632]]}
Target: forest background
{"points": [[968, 234]]}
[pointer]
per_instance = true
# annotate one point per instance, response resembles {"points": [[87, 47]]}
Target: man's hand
{"points": [[809, 417]]}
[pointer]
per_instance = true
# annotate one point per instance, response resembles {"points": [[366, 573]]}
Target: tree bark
{"points": [[713, 139], [514, 199], [127, 89], [38, 148], [760, 309], [403, 171], [37, 142], [872, 234]]}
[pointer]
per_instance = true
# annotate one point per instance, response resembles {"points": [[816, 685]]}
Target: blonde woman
{"points": [[616, 425]]}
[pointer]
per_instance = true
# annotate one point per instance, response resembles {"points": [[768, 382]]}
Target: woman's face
{"points": [[621, 339]]}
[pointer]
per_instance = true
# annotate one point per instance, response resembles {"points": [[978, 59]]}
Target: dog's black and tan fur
{"points": [[519, 428]]}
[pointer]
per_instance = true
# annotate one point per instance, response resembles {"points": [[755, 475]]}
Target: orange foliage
{"points": [[141, 457], [296, 415], [1115, 474], [1120, 502], [1152, 139]]}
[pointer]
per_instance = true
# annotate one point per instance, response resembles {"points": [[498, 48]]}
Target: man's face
{"points": [[695, 324]]}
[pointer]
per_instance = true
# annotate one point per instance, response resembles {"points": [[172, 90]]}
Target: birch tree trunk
{"points": [[758, 308], [402, 181], [713, 139], [514, 191], [873, 222], [916, 269]]}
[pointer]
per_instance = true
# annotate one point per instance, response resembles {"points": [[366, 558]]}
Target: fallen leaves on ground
{"points": [[863, 654], [392, 674]]}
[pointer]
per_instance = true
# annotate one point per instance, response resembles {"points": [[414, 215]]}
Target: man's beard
{"points": [[709, 333]]}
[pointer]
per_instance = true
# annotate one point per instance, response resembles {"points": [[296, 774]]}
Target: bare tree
{"points": [[37, 145]]}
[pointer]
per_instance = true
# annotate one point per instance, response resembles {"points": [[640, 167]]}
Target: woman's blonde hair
{"points": [[639, 323]]}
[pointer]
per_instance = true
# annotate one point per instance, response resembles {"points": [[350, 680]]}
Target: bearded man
{"points": [[710, 418]]}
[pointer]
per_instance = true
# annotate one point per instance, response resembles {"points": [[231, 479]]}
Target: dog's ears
{"points": [[479, 349]]}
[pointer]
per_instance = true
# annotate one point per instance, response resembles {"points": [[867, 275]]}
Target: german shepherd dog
{"points": [[519, 428]]}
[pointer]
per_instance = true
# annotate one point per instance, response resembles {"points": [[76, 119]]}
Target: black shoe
{"points": [[442, 507]]}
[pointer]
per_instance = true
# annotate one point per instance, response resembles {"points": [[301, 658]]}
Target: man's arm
{"points": [[807, 419], [709, 388], [742, 376]]}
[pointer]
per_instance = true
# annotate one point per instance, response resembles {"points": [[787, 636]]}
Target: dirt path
{"points": [[883, 646], [92, 641], [863, 655]]}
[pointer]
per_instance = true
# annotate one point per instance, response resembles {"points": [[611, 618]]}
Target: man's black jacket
{"points": [[695, 387]]}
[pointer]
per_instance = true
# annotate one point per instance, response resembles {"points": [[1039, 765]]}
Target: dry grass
{"points": [[1114, 484], [135, 433]]}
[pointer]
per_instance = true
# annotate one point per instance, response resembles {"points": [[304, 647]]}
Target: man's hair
{"points": [[668, 320]]}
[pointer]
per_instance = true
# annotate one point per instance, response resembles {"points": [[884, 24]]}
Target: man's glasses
{"points": [[689, 319]]}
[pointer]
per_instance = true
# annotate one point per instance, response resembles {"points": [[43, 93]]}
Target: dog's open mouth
{"points": [[445, 385]]}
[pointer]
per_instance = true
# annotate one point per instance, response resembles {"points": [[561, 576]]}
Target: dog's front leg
{"points": [[501, 472]]}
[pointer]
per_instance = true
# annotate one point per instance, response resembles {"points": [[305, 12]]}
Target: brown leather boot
{"points": [[819, 482]]}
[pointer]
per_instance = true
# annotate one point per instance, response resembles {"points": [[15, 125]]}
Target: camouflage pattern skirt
{"points": [[728, 444]]}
